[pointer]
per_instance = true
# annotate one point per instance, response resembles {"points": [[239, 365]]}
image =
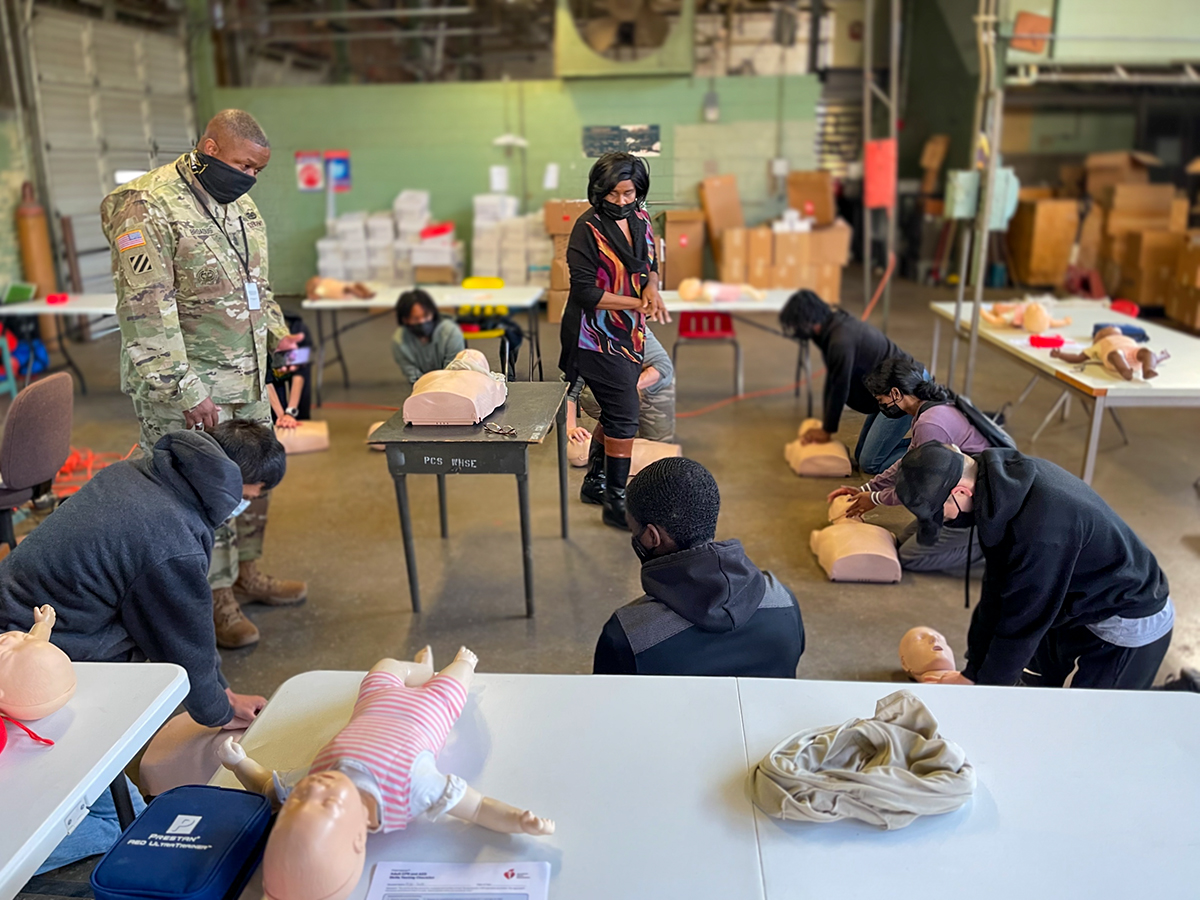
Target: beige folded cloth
{"points": [[885, 771]]}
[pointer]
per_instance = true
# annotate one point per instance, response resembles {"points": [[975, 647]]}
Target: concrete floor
{"points": [[334, 520]]}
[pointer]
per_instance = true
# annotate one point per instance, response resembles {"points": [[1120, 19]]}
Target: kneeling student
{"points": [[1071, 596], [707, 610]]}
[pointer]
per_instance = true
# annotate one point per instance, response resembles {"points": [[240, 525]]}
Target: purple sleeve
{"points": [[930, 426], [883, 485]]}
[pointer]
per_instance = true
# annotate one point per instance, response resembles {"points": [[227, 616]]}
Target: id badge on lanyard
{"points": [[253, 301]]}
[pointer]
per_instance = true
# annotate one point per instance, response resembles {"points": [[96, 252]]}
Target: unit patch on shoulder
{"points": [[139, 263], [130, 239]]}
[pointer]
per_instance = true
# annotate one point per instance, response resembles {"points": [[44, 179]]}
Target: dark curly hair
{"points": [[613, 168], [679, 496], [907, 375], [804, 310], [416, 297]]}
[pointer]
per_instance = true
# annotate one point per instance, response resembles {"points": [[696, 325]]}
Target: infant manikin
{"points": [[923, 652], [693, 289], [1030, 315], [463, 393], [36, 678], [852, 550], [318, 288], [1119, 354], [828, 460], [377, 774]]}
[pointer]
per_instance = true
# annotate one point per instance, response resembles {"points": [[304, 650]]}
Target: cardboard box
{"points": [[1148, 271], [1040, 237], [811, 193], [759, 256], [1183, 299], [681, 236], [722, 207], [560, 245], [560, 215], [560, 275], [556, 302], [1071, 177], [831, 246], [1139, 199], [933, 154], [1120, 167], [1178, 220], [436, 275], [823, 280], [792, 251], [1090, 237], [734, 250]]}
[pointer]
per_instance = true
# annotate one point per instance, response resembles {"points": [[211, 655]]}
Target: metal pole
{"points": [[958, 302], [868, 77], [894, 93]]}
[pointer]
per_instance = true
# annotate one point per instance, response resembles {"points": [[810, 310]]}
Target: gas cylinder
{"points": [[37, 257]]}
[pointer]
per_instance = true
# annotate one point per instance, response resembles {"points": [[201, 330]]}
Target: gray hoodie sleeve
{"points": [[168, 613], [657, 357]]}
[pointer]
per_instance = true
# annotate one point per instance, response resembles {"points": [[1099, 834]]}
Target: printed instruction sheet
{"points": [[454, 881]]}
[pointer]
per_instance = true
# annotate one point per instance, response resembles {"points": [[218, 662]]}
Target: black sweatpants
{"points": [[1091, 662], [613, 381]]}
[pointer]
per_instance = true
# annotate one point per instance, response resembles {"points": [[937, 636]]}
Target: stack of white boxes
{"points": [[411, 212], [329, 259], [381, 247], [351, 232], [490, 211], [539, 250], [514, 251]]}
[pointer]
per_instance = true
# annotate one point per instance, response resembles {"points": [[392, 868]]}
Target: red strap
{"points": [[40, 740]]}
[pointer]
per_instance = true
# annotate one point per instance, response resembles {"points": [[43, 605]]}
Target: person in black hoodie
{"points": [[707, 610], [1071, 596], [124, 562], [852, 350]]}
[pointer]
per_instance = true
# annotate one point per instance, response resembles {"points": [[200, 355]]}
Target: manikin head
{"points": [[937, 484], [690, 289], [36, 678], [1036, 318], [470, 361], [671, 505], [319, 843], [925, 650]]}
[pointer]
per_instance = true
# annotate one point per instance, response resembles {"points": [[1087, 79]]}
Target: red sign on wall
{"points": [[310, 170]]}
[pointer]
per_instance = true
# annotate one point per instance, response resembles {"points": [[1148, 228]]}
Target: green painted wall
{"points": [[12, 174], [439, 137]]}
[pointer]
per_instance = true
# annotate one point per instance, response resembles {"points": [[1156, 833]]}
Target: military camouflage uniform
{"points": [[187, 329]]}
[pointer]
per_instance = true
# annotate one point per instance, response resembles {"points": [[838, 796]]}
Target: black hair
{"points": [[907, 375], [239, 124], [255, 450], [804, 310], [613, 168], [680, 497], [417, 297]]}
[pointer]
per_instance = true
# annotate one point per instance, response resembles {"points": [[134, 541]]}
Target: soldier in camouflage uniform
{"points": [[199, 323]]}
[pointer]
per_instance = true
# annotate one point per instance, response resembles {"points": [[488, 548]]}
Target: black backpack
{"points": [[991, 429]]}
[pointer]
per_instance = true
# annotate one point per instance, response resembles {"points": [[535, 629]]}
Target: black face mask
{"points": [[963, 519], [223, 182], [422, 329], [892, 410], [615, 212], [643, 552]]}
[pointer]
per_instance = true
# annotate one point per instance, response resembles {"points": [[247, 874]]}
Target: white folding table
{"points": [[76, 305], [445, 296], [1080, 794], [46, 791], [1177, 384], [644, 778]]}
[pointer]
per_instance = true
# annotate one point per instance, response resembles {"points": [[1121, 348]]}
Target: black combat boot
{"points": [[616, 472], [592, 490]]}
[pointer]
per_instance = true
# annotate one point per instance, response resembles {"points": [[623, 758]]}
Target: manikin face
{"points": [[622, 194], [36, 678], [925, 650], [318, 846]]}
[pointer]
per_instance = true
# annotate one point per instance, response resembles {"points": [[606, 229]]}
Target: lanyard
{"points": [[243, 260]]}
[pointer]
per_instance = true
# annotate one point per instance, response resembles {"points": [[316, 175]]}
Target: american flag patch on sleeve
{"points": [[129, 240]]}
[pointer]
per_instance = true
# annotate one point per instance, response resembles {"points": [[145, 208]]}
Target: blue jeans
{"points": [[881, 442], [96, 834]]}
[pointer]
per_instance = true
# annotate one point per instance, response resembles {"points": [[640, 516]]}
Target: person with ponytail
{"points": [[903, 389], [614, 289]]}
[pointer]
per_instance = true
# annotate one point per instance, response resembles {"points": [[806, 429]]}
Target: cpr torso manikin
{"points": [[463, 393], [852, 550], [36, 678], [828, 460]]}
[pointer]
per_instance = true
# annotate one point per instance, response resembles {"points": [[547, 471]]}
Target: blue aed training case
{"points": [[192, 843]]}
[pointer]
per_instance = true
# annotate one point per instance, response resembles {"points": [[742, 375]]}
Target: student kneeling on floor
{"points": [[707, 610], [1071, 596]]}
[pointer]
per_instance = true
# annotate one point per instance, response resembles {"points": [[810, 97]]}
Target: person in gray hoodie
{"points": [[707, 609], [124, 562]]}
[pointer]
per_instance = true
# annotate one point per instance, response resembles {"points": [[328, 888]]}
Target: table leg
{"points": [[1028, 390], [337, 344], [537, 340], [442, 506], [62, 348], [410, 554], [1093, 441], [320, 379], [1050, 415], [526, 541], [122, 800], [560, 430], [937, 341], [532, 337]]}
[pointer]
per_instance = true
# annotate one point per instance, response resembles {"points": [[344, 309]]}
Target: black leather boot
{"points": [[616, 473], [592, 490]]}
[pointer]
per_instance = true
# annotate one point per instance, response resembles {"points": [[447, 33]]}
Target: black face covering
{"points": [[963, 519], [223, 182], [643, 552], [423, 329], [892, 410], [615, 212]]}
